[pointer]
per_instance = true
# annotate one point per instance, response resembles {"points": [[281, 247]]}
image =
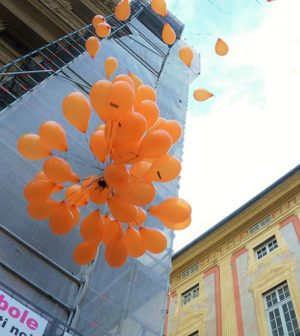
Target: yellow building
{"points": [[242, 277], [26, 25]]}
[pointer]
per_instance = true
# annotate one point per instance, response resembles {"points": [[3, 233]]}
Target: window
{"points": [[195, 333], [189, 271], [266, 247], [190, 295], [280, 312], [260, 225]]}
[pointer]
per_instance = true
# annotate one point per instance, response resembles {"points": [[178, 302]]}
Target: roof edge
{"points": [[237, 211]]}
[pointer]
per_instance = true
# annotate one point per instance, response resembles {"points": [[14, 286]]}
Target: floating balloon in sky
{"points": [[32, 147], [103, 29], [110, 66], [221, 47], [77, 110], [168, 34], [92, 46], [159, 7], [186, 55], [202, 94], [122, 10], [97, 19], [53, 136]]}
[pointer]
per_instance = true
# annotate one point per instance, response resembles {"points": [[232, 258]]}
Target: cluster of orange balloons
{"points": [[122, 13], [102, 29], [131, 145]]}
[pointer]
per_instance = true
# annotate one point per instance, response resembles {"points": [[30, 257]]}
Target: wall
{"points": [[233, 280]]}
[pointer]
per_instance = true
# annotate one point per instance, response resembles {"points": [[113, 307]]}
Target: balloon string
{"points": [[86, 140], [83, 190]]}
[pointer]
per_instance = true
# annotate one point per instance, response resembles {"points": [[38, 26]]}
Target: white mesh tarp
{"points": [[125, 301]]}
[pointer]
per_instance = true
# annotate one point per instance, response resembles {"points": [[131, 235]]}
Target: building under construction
{"points": [[37, 275]]}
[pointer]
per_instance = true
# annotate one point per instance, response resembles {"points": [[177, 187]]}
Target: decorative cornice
{"points": [[283, 200], [253, 211]]}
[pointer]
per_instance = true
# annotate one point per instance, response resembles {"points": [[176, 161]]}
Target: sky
{"points": [[247, 136]]}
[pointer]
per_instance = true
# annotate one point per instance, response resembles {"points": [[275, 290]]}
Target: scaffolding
{"points": [[93, 300]]}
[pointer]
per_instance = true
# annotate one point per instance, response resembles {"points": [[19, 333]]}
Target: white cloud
{"points": [[250, 137]]}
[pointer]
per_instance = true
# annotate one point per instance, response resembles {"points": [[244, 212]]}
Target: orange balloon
{"points": [[159, 124], [77, 195], [42, 176], [159, 7], [202, 94], [130, 128], [77, 110], [85, 252], [178, 226], [137, 193], [164, 169], [126, 153], [124, 78], [92, 45], [116, 175], [155, 144], [61, 219], [122, 10], [31, 147], [97, 19], [103, 29], [110, 66], [140, 217], [41, 210], [98, 145], [150, 110], [112, 229], [53, 136], [38, 190], [137, 81], [140, 169], [174, 210], [99, 196], [121, 210], [133, 243], [168, 34], [76, 214], [173, 127], [116, 252], [119, 99], [98, 96], [221, 47], [58, 170], [144, 92], [153, 240], [92, 226], [186, 55]]}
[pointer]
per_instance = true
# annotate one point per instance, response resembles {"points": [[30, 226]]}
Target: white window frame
{"points": [[278, 302], [194, 268], [189, 295], [266, 247]]}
